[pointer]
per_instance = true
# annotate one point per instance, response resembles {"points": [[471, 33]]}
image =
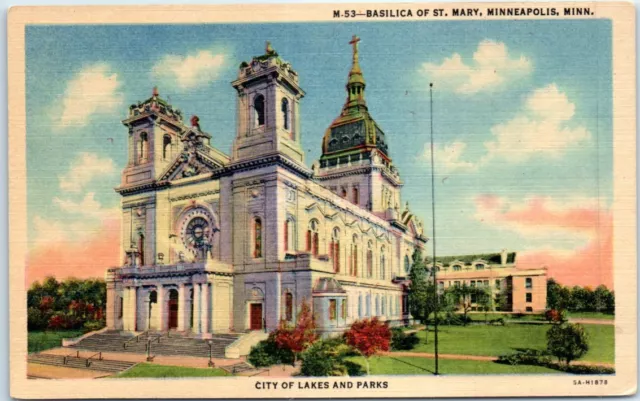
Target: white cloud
{"points": [[449, 157], [94, 90], [88, 207], [85, 168], [191, 70], [542, 128], [78, 221], [491, 68]]}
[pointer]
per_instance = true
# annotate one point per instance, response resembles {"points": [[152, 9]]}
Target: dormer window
{"points": [[258, 105], [457, 268], [479, 266]]}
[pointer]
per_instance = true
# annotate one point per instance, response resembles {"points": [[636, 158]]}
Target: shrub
{"points": [[497, 322], [92, 326], [526, 357], [400, 340], [555, 315], [267, 353], [326, 358], [567, 341], [37, 319], [584, 369]]}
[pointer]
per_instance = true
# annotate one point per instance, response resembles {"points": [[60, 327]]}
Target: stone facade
{"points": [[215, 243]]}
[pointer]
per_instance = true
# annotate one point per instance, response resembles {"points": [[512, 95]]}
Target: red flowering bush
{"points": [[555, 315], [369, 336], [298, 338]]}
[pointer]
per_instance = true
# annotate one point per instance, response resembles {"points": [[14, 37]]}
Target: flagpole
{"points": [[433, 222]]}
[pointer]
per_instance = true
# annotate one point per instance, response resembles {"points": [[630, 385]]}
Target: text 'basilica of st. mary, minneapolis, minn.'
{"points": [[217, 243]]}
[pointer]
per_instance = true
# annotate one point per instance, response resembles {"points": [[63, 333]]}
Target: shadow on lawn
{"points": [[410, 364]]}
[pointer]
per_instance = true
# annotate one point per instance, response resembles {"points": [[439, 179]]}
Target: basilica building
{"points": [[219, 243]]}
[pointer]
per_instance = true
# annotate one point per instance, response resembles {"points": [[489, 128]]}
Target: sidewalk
{"points": [[461, 357]]}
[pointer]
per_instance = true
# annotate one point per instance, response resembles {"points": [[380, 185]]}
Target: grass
{"points": [[500, 340], [152, 370], [388, 365], [43, 340], [591, 315]]}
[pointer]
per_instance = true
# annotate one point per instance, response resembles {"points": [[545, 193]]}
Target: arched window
{"points": [[368, 305], [288, 307], [356, 195], [457, 268], [383, 267], [343, 192], [479, 266], [407, 264], [377, 305], [369, 259], [335, 249], [312, 237], [258, 105], [166, 147], [360, 306], [285, 113], [143, 147], [289, 234], [257, 237], [353, 268]]}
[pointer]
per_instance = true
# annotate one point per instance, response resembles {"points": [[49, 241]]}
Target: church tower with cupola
{"points": [[355, 161], [268, 105]]}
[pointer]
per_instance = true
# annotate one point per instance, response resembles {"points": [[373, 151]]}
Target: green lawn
{"points": [[387, 365], [42, 340], [152, 370], [500, 340]]}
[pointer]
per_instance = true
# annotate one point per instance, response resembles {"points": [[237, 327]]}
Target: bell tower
{"points": [[268, 109]]}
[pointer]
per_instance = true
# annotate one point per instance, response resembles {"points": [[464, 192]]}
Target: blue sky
{"points": [[522, 111]]}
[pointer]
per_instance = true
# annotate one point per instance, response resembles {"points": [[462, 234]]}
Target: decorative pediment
{"points": [[190, 163]]}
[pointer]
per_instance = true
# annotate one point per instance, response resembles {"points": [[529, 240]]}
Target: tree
{"points": [[567, 341], [368, 337], [419, 288], [463, 297], [327, 358], [601, 299], [484, 302], [300, 337]]}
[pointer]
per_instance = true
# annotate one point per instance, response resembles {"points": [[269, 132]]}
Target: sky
{"points": [[522, 124]]}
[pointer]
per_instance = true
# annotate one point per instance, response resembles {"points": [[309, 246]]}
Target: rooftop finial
{"points": [[155, 91], [268, 49]]}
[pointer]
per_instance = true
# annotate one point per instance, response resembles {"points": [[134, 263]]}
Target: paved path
{"points": [[592, 321], [461, 357], [39, 371], [174, 360]]}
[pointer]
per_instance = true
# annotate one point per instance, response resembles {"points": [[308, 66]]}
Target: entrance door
{"points": [[173, 309], [255, 317]]}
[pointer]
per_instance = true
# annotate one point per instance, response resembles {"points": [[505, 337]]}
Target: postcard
{"points": [[323, 200]]}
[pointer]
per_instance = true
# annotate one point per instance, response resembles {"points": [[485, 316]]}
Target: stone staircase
{"points": [[161, 343], [242, 369], [103, 365]]}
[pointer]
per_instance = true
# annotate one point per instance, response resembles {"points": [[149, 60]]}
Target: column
{"points": [[125, 309], [196, 308], [133, 297], [182, 307], [160, 307], [204, 314]]}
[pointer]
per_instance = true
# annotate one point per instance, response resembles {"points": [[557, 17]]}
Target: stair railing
{"points": [[66, 357], [136, 338], [88, 361]]}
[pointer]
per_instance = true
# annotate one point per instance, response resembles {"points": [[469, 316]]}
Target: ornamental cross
{"points": [[354, 43]]}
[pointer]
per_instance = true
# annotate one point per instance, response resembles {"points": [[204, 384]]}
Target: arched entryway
{"points": [[173, 309]]}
